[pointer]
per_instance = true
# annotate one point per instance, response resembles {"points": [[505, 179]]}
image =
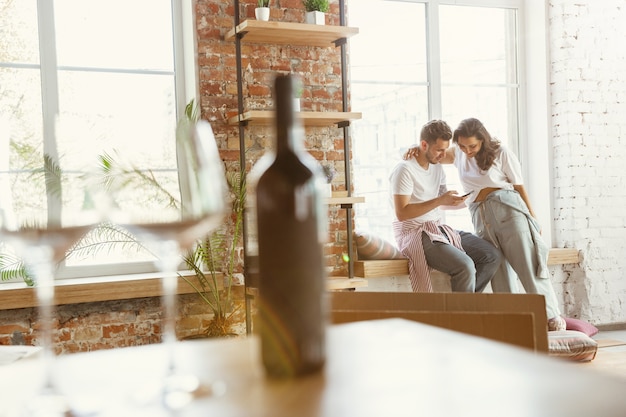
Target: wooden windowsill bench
{"points": [[393, 267]]}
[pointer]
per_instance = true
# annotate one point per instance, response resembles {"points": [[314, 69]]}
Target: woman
{"points": [[502, 214]]}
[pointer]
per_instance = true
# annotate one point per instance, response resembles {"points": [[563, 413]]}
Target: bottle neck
{"points": [[288, 129]]}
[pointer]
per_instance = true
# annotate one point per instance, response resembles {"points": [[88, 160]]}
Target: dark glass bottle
{"points": [[292, 305]]}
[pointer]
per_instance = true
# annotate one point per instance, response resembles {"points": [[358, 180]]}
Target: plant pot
{"points": [[296, 104], [315, 18], [262, 13]]}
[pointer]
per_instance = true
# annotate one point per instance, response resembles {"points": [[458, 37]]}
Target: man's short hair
{"points": [[435, 129]]}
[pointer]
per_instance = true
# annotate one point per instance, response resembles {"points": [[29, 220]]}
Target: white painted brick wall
{"points": [[588, 93]]}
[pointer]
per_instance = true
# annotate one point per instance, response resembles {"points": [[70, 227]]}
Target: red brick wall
{"points": [[108, 324], [91, 326]]}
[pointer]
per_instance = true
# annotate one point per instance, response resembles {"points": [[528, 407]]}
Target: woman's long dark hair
{"points": [[473, 127]]}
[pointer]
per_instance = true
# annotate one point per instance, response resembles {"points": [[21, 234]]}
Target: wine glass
{"points": [[167, 231], [59, 211]]}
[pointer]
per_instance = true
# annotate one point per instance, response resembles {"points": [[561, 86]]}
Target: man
{"points": [[418, 187]]}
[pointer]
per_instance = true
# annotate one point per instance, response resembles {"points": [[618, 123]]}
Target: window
{"points": [[414, 61], [87, 78]]}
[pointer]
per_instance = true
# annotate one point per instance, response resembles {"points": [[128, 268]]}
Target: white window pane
{"points": [[116, 95], [390, 46], [28, 191], [20, 108], [114, 33], [476, 53], [19, 41], [104, 112]]}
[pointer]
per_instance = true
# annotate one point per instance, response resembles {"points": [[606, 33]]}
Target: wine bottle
{"points": [[292, 311]]}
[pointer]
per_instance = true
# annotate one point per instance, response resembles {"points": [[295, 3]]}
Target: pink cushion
{"points": [[581, 326], [370, 246]]}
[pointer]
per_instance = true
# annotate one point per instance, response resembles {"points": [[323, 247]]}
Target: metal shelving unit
{"points": [[297, 34]]}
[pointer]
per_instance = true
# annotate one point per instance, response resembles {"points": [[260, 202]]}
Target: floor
{"points": [[611, 356], [612, 335]]}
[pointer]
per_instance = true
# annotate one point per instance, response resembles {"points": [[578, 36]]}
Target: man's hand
{"points": [[452, 198]]}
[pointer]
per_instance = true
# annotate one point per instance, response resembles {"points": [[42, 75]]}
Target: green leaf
{"points": [[53, 175], [12, 267]]}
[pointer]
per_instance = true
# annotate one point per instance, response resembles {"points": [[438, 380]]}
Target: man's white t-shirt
{"points": [[409, 178]]}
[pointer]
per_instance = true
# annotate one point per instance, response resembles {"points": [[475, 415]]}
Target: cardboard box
{"points": [[519, 319]]}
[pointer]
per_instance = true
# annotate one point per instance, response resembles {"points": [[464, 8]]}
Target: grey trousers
{"points": [[504, 220], [470, 271]]}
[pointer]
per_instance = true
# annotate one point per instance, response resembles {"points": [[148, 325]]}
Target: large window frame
{"points": [[531, 129], [186, 88]]}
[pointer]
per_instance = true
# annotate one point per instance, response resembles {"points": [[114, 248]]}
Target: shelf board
{"points": [[332, 284], [288, 33], [309, 118], [342, 283], [344, 200]]}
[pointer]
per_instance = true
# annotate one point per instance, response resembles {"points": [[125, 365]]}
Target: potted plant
{"points": [[213, 261], [315, 11], [262, 11]]}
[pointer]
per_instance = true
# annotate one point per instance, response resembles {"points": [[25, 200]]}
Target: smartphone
{"points": [[465, 195]]}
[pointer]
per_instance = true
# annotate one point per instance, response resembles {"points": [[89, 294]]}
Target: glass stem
{"points": [[42, 266], [169, 256]]}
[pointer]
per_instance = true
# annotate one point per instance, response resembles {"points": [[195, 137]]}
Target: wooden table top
{"points": [[377, 368]]}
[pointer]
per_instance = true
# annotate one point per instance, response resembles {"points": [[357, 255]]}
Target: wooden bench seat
{"points": [[394, 267]]}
